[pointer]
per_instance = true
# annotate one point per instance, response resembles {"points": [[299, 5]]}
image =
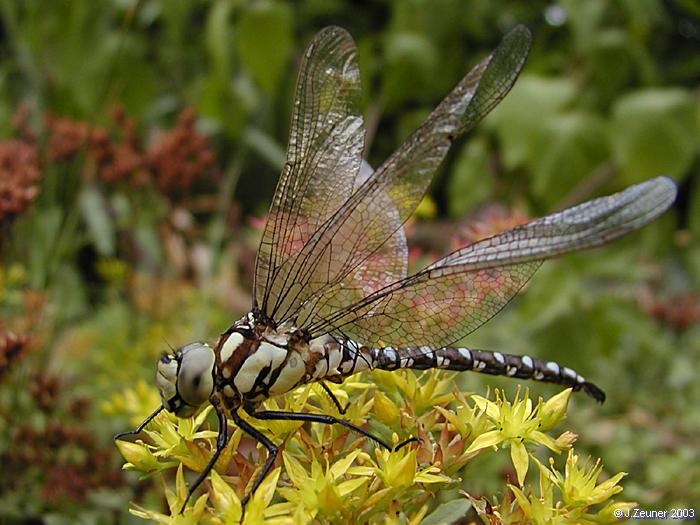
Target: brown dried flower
{"points": [[13, 347], [488, 222], [66, 137], [180, 156], [117, 161], [44, 389], [680, 311], [19, 177], [20, 122], [67, 461], [113, 160]]}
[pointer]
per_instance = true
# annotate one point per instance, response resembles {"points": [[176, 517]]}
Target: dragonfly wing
{"points": [[456, 295], [323, 168], [331, 270], [323, 157]]}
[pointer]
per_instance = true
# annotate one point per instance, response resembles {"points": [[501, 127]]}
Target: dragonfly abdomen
{"points": [[484, 361]]}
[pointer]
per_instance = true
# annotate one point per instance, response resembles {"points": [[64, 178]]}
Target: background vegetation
{"points": [[141, 142]]}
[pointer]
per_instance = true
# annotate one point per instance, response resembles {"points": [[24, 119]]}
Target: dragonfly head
{"points": [[185, 378]]}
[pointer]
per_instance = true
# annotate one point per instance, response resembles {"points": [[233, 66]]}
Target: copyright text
{"points": [[681, 514]]}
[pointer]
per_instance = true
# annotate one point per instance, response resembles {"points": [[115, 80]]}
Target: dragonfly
{"points": [[332, 294]]}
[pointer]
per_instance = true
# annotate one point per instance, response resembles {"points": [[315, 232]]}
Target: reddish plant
{"points": [[181, 156], [13, 348], [19, 178]]}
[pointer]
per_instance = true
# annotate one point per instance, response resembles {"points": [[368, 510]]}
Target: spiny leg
{"points": [[139, 428], [272, 415], [221, 440], [272, 452], [342, 410]]}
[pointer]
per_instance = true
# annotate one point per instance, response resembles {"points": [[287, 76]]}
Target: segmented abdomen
{"points": [[357, 357]]}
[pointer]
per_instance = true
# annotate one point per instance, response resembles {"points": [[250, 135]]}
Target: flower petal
{"points": [[520, 458], [487, 439], [485, 405]]}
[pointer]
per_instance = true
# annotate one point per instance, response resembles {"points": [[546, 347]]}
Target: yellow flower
{"points": [[544, 509], [16, 274], [189, 427], [324, 491], [554, 410], [259, 505], [112, 269], [467, 420], [385, 409], [424, 390], [566, 440], [139, 457], [515, 424], [579, 484], [137, 402], [537, 509], [399, 469], [324, 401], [426, 209], [325, 484], [225, 500], [191, 515]]}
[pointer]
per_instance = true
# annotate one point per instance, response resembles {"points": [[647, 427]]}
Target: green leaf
{"points": [[44, 234], [218, 38], [521, 121], [694, 211], [136, 82], [653, 132], [219, 102], [575, 146], [450, 512], [584, 18], [411, 59], [264, 42], [558, 147], [69, 290], [265, 146], [99, 223], [613, 61]]}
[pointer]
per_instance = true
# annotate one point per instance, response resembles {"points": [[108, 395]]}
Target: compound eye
{"points": [[166, 376], [195, 380]]}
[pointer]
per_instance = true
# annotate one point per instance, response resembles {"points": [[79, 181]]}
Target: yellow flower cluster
{"points": [[329, 475]]}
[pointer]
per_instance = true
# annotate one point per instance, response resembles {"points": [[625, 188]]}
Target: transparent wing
{"points": [[322, 169], [331, 270], [457, 294]]}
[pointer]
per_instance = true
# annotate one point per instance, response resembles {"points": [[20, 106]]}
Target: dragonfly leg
{"points": [[322, 418], [221, 440], [272, 452], [341, 409], [139, 428]]}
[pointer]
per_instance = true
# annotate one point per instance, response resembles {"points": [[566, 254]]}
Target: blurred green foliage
{"points": [[102, 273]]}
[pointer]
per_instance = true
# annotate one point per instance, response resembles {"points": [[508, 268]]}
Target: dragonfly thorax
{"points": [[256, 361], [186, 378]]}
